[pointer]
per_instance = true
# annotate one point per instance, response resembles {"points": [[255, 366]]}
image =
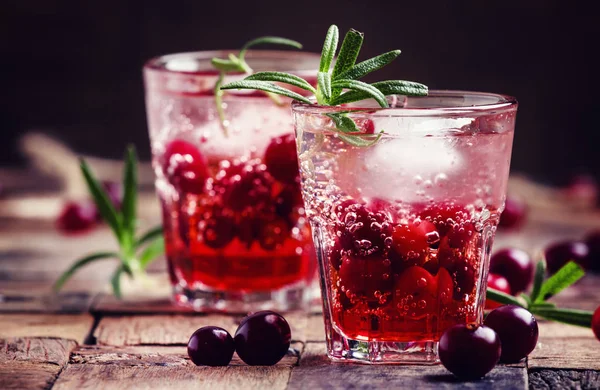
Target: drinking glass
{"points": [[236, 236], [403, 210]]}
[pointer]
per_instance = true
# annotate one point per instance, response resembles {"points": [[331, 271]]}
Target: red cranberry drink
{"points": [[404, 210], [235, 233]]}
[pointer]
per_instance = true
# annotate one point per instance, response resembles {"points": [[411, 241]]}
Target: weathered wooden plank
{"points": [[157, 356], [38, 297], [67, 326], [564, 379], [315, 328], [565, 347], [32, 363], [316, 371], [109, 376], [175, 329]]}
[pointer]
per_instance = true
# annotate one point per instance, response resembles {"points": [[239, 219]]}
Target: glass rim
{"points": [[158, 63], [399, 106]]}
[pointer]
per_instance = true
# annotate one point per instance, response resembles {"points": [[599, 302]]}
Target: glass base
{"points": [[285, 299], [342, 349]]}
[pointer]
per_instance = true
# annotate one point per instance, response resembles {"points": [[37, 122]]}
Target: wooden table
{"points": [[85, 339]]}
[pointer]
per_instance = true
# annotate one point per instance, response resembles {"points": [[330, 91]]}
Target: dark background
{"points": [[73, 68]]}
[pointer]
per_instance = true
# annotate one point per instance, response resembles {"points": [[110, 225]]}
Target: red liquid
{"points": [[232, 226], [403, 277]]}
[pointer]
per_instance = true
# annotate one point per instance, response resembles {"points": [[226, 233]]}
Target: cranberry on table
{"points": [[77, 217], [596, 323], [469, 351], [263, 338], [185, 167], [517, 329], [281, 159], [515, 265], [592, 240], [497, 282], [514, 214], [211, 346], [559, 254]]}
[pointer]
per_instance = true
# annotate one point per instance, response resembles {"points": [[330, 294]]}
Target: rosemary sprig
{"points": [[236, 64], [543, 289], [135, 253], [340, 84]]}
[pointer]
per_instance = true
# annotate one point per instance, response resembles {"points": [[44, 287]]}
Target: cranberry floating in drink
{"points": [[235, 230], [403, 194]]}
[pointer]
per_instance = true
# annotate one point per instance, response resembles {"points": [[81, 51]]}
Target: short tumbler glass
{"points": [[403, 212], [235, 232]]}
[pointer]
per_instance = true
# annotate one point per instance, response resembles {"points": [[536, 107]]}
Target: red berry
{"points": [[514, 214], [412, 241], [416, 292], [77, 217], [517, 329], [596, 323], [184, 167], [281, 159], [245, 185], [445, 216], [560, 253], [217, 230], [445, 286], [515, 265], [361, 230], [499, 283], [247, 228], [273, 232], [464, 275], [468, 351], [335, 255], [263, 338], [460, 235], [211, 346], [447, 256], [366, 278]]}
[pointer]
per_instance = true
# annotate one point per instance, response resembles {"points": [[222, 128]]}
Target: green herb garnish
{"points": [[135, 253], [340, 84], [236, 64], [543, 289]]}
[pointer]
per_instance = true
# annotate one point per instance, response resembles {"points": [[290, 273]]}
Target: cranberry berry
{"points": [[499, 283], [515, 265], [245, 185], [560, 253], [368, 278], [218, 230], [77, 217], [361, 230], [469, 351], [517, 329], [596, 323], [211, 346], [514, 214], [184, 167], [281, 159], [263, 338], [411, 242]]}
